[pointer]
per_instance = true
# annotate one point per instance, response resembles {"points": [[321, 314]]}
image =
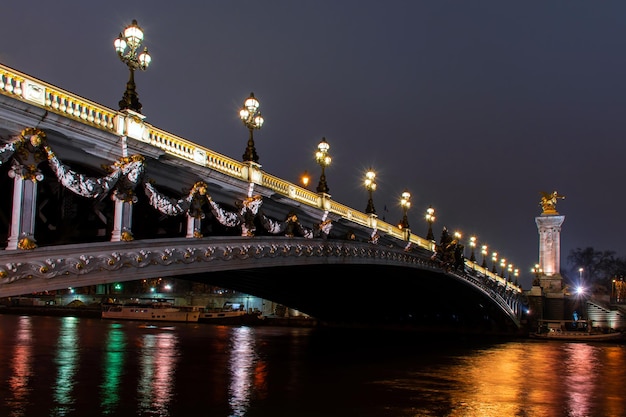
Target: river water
{"points": [[68, 366]]}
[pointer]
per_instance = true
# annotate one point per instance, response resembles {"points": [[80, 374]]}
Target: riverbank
{"points": [[94, 311], [81, 311]]}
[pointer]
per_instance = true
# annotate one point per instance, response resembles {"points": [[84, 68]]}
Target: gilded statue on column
{"points": [[549, 200]]}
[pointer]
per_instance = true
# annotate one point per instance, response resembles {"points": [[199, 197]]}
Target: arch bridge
{"points": [[96, 199]]}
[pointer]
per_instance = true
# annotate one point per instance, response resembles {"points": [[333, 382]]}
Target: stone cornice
{"points": [[51, 262]]}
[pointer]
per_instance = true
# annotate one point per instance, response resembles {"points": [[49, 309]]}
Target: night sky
{"points": [[474, 107]]}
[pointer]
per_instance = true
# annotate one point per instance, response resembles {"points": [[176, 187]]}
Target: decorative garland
{"points": [[128, 172]]}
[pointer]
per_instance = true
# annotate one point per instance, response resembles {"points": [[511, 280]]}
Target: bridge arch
{"points": [[87, 134], [334, 280]]}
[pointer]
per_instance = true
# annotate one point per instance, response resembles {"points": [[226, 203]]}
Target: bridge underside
{"points": [[338, 282], [340, 295], [100, 197]]}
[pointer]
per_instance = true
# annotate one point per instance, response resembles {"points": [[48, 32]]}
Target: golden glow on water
{"points": [[525, 379], [22, 367], [77, 367], [610, 379], [580, 377], [488, 374]]}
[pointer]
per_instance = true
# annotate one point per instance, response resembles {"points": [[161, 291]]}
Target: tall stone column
{"points": [[549, 227], [128, 124], [22, 234], [551, 281], [546, 298], [195, 213], [26, 175], [124, 197], [122, 221], [194, 224]]}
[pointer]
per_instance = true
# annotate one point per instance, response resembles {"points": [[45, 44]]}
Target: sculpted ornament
{"points": [[548, 202], [79, 183], [167, 205], [125, 175], [177, 256], [7, 151]]}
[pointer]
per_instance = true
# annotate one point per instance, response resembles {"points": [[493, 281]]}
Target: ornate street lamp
{"points": [[370, 186], [131, 39], [510, 271], [322, 158], [305, 179], [251, 117], [484, 252], [430, 219], [405, 203], [502, 267], [472, 245], [537, 271], [494, 258]]}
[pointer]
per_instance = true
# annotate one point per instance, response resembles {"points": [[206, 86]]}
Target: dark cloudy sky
{"points": [[474, 107]]}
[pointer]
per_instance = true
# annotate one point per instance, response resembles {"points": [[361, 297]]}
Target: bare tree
{"points": [[599, 267]]}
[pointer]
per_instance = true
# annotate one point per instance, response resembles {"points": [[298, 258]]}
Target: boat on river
{"points": [[230, 313], [156, 309], [574, 331]]}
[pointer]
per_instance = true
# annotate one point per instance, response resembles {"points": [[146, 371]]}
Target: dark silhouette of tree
{"points": [[599, 267]]}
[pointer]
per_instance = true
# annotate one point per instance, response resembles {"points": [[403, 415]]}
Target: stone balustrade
{"points": [[55, 100]]}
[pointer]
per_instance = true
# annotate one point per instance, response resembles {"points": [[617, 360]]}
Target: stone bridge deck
{"points": [[326, 279], [97, 199]]}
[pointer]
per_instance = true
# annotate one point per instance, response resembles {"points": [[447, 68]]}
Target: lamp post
{"points": [[251, 117], [580, 275], [483, 250], [430, 219], [323, 159], [537, 271], [370, 186], [494, 258], [405, 203], [502, 266], [126, 46], [472, 245], [305, 179], [612, 299], [510, 271]]}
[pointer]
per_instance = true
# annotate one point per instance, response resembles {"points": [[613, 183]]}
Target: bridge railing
{"points": [[25, 88]]}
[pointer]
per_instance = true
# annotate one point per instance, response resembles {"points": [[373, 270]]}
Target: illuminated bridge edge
{"points": [[51, 262]]}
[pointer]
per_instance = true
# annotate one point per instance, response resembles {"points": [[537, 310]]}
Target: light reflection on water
{"points": [[49, 367], [581, 361], [242, 360], [522, 379], [158, 357], [22, 368], [113, 364], [66, 362]]}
